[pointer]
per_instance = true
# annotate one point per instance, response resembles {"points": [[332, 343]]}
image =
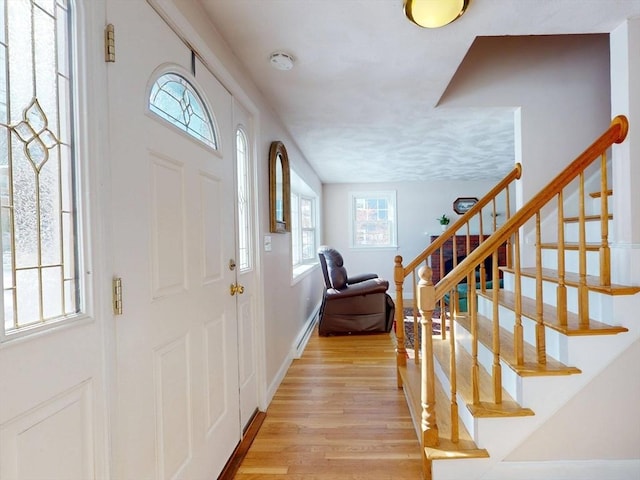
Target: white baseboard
{"points": [[277, 380], [305, 334], [296, 350], [566, 470]]}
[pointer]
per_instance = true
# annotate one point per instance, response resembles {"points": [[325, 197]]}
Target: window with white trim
{"points": [[304, 230], [373, 219], [39, 203]]}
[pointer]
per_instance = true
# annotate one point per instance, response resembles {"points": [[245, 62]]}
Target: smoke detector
{"points": [[281, 61]]}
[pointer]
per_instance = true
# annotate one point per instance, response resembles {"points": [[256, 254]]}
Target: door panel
{"points": [[177, 359]]}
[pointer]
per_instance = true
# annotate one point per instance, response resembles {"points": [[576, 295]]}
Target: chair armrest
{"points": [[373, 285], [361, 278]]}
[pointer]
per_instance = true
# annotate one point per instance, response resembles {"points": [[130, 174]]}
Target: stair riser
{"points": [[511, 382], [463, 412], [592, 231], [600, 305], [572, 261], [555, 342]]}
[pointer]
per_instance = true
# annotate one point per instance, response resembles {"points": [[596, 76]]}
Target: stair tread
{"points": [[550, 317], [530, 366], [591, 247], [587, 218], [508, 408], [573, 280], [599, 194], [446, 449]]}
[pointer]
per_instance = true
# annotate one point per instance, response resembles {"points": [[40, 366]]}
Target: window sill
{"points": [[301, 271]]}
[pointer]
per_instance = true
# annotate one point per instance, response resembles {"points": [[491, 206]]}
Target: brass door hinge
{"points": [[117, 296], [109, 44]]}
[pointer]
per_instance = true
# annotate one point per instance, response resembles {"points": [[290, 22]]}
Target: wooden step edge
{"points": [[529, 368], [573, 328], [465, 447], [499, 410], [485, 409], [573, 280], [590, 247], [410, 375], [447, 450], [587, 218], [599, 194]]}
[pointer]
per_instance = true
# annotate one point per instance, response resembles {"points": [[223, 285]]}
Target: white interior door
{"points": [[177, 358]]}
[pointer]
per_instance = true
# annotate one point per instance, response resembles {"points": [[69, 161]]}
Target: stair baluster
{"points": [[497, 367], [472, 309], [541, 348], [561, 289], [518, 333], [605, 252], [583, 292], [453, 369]]}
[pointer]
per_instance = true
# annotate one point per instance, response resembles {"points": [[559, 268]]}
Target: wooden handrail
{"points": [[450, 232], [616, 133]]}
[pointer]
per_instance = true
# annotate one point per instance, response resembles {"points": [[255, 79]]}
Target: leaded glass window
{"points": [[174, 99], [244, 217], [37, 209]]}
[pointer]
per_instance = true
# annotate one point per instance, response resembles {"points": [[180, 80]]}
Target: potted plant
{"points": [[444, 221]]}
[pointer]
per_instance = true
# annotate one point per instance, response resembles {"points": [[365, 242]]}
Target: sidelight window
{"points": [[38, 209], [245, 260]]}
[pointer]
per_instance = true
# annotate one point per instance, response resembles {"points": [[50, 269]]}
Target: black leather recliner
{"points": [[357, 304]]}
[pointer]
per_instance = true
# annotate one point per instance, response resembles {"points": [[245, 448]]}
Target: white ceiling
{"points": [[361, 100]]}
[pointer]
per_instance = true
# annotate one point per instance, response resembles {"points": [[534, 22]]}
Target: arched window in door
{"points": [[174, 99], [245, 260], [39, 208]]}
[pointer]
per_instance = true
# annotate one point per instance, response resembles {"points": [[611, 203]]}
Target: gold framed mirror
{"points": [[279, 189]]}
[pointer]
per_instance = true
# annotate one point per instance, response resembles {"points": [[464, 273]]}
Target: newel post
{"points": [[426, 305], [401, 351]]}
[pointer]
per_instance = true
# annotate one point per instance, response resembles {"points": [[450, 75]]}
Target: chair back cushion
{"points": [[335, 273]]}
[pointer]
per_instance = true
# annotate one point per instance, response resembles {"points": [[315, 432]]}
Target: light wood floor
{"points": [[338, 415]]}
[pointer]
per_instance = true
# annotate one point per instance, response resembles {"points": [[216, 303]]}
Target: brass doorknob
{"points": [[236, 288]]}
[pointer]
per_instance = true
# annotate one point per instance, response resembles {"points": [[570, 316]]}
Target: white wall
{"points": [[419, 204], [591, 426], [285, 307], [560, 83]]}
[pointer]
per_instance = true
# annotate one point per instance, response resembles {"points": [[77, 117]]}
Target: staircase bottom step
{"points": [[446, 449]]}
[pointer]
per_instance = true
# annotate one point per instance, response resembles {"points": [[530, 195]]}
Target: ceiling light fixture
{"points": [[434, 13], [281, 61]]}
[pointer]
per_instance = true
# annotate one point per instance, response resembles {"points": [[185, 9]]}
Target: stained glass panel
{"points": [[39, 228], [174, 99]]}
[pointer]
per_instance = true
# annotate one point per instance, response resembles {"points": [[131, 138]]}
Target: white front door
{"points": [[52, 378], [177, 410]]}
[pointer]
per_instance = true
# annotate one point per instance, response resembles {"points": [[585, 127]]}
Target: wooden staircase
{"points": [[469, 385]]}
